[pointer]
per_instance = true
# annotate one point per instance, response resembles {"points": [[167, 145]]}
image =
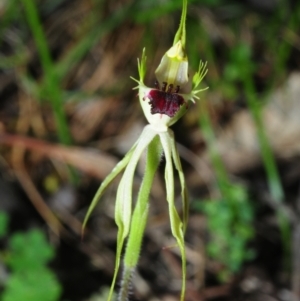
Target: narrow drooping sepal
{"points": [[114, 173], [176, 223], [124, 193], [123, 207], [139, 218], [184, 193]]}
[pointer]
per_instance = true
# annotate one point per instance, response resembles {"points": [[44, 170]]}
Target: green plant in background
{"points": [[230, 217], [240, 68], [26, 257], [162, 106], [230, 224], [274, 182], [52, 86], [229, 221]]}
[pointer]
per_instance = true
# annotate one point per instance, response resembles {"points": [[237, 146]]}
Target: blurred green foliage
{"points": [[256, 42], [230, 224], [230, 216], [25, 258]]}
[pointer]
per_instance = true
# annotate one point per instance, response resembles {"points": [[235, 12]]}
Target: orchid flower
{"points": [[162, 105]]}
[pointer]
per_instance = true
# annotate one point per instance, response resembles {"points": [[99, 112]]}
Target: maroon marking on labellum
{"points": [[165, 102]]}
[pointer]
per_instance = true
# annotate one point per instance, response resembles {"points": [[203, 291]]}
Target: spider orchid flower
{"points": [[163, 105]]}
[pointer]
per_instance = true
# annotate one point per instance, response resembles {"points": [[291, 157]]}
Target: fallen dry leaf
{"points": [[90, 161]]}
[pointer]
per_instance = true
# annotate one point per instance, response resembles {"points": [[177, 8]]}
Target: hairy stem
{"points": [[139, 218], [140, 213], [126, 284]]}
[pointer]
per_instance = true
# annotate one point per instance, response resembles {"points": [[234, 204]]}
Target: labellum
{"points": [[165, 102]]}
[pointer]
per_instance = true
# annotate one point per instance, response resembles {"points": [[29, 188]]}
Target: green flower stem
{"points": [[139, 218], [124, 198], [126, 284], [140, 213], [181, 32], [176, 223]]}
